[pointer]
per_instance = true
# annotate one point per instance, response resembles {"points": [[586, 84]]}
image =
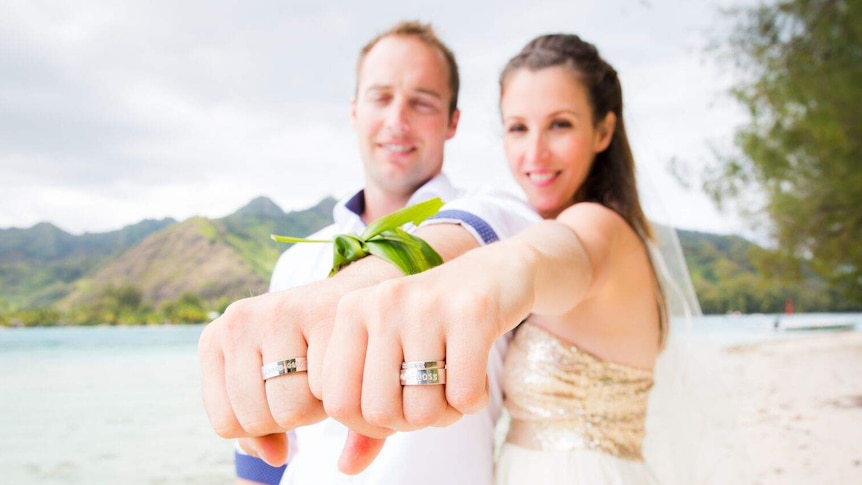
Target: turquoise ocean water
{"points": [[100, 405]]}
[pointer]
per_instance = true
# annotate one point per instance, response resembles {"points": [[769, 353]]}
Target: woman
{"points": [[578, 377], [579, 371]]}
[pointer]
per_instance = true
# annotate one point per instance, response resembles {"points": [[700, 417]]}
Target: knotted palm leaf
{"points": [[385, 239]]}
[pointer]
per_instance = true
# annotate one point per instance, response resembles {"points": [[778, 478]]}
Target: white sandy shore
{"points": [[798, 411]]}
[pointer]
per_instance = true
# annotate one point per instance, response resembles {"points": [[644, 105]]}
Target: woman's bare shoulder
{"points": [[599, 226]]}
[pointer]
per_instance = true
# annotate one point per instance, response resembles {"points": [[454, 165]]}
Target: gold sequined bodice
{"points": [[561, 398]]}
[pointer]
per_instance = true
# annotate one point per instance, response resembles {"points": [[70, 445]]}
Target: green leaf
{"points": [[385, 239], [395, 253], [415, 214], [429, 255], [347, 249], [402, 236], [409, 253], [290, 239]]}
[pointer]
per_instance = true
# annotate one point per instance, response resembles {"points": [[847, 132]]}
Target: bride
{"points": [[579, 371]]}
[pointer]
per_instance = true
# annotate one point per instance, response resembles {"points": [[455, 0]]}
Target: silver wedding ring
{"points": [[423, 373], [423, 364], [282, 367]]}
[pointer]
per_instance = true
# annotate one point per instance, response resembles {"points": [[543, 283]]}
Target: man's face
{"points": [[401, 114]]}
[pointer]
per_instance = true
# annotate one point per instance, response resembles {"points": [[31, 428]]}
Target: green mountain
{"points": [[39, 265], [216, 260], [247, 230], [163, 270]]}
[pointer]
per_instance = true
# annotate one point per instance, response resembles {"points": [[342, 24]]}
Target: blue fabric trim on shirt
{"points": [[477, 223], [256, 470]]}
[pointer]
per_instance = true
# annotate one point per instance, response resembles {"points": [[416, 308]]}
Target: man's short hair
{"points": [[426, 34]]}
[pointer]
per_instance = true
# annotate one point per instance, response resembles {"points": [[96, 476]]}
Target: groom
{"points": [[404, 110]]}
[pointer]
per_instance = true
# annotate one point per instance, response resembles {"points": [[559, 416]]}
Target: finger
{"points": [[216, 402], [381, 389], [245, 389], [318, 339], [358, 452], [290, 399], [344, 365], [467, 349], [424, 405]]}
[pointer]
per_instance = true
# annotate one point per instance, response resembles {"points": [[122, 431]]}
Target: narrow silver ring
{"points": [[282, 367], [424, 364], [423, 377]]}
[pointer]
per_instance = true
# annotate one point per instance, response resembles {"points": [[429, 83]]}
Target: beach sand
{"points": [[797, 411]]}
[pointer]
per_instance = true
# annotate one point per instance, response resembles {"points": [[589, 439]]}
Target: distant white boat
{"points": [[808, 324]]}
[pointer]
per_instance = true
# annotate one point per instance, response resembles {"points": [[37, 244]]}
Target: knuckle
{"points": [[381, 418], [338, 409], [390, 295], [296, 416], [233, 327], [258, 426], [420, 417], [350, 304], [475, 305], [232, 310], [226, 427], [466, 400], [289, 419], [234, 320], [392, 288]]}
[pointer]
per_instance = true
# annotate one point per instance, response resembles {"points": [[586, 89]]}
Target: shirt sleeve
{"points": [[488, 216]]}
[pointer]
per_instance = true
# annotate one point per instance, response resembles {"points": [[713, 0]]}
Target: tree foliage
{"points": [[728, 276], [797, 165], [188, 308], [115, 305]]}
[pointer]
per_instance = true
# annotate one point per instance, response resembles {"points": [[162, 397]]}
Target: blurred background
{"points": [[148, 149]]}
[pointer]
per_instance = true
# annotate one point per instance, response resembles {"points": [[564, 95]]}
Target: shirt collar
{"points": [[350, 209]]}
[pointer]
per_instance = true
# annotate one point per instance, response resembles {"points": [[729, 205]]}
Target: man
{"points": [[403, 111]]}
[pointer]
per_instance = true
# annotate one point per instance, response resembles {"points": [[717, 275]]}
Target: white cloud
{"points": [[114, 112]]}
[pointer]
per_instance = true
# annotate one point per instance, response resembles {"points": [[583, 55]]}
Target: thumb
{"points": [[358, 452], [270, 448]]}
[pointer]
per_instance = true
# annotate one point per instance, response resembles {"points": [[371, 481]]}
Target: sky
{"points": [[116, 111]]}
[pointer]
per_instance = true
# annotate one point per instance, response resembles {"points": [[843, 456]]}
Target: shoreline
{"points": [[853, 317]]}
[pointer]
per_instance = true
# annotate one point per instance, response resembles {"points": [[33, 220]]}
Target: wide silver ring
{"points": [[282, 367], [424, 364], [423, 377]]}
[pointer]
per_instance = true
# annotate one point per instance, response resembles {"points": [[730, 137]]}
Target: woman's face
{"points": [[550, 137]]}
